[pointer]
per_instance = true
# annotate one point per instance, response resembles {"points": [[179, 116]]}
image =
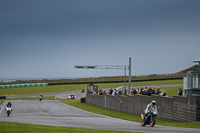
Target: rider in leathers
{"points": [[150, 106], [9, 105]]}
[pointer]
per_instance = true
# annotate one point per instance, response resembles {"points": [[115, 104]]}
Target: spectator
{"points": [[104, 92], [149, 92], [125, 92], [153, 91], [119, 92], [141, 90], [138, 91], [134, 91], [101, 92], [144, 92], [163, 92], [114, 92], [158, 91], [94, 93], [180, 92], [111, 91]]}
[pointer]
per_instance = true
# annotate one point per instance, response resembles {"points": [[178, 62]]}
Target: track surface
{"points": [[54, 113]]}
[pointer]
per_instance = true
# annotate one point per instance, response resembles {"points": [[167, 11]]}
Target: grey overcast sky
{"points": [[46, 38]]}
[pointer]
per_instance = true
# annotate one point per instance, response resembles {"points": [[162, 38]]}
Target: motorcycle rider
{"points": [[72, 96], [9, 105], [41, 97], [150, 106]]}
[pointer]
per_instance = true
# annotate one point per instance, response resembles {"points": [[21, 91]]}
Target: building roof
{"points": [[197, 61]]}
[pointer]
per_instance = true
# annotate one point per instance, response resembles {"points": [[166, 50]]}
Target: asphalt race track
{"points": [[54, 113]]}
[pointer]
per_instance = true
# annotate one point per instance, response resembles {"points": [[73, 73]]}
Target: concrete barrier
{"points": [[176, 108]]}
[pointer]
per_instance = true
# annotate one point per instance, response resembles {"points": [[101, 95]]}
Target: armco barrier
{"points": [[2, 97], [176, 108], [23, 85]]}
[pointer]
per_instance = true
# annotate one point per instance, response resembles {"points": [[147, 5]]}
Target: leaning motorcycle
{"points": [[150, 119], [8, 111]]}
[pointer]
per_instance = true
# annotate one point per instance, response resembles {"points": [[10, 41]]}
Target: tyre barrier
{"points": [[2, 97], [23, 85], [83, 100]]}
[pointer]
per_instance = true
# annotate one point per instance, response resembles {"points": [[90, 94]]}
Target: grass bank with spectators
{"points": [[76, 87]]}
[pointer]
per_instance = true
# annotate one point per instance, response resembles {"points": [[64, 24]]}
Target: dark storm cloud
{"points": [[49, 16], [96, 30]]}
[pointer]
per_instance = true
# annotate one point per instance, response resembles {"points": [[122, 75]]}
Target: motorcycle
{"points": [[8, 111], [150, 119], [71, 97]]}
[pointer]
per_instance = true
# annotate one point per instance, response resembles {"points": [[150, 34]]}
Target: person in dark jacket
{"points": [[149, 92], [158, 91], [134, 91], [180, 92], [152, 91]]}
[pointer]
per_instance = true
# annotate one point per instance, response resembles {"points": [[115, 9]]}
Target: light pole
{"points": [[129, 85]]}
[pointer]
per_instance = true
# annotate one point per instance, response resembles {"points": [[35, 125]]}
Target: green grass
{"points": [[126, 116], [41, 89], [74, 87], [10, 127]]}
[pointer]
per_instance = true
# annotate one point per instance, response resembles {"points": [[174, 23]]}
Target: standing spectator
{"points": [[138, 91], [114, 92], [180, 92], [149, 92], [144, 92], [119, 92], [141, 90], [158, 91], [134, 91], [101, 92], [94, 93], [163, 92], [111, 91], [125, 92], [153, 91]]}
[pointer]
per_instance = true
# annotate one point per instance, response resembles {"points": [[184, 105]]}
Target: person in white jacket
{"points": [[150, 106]]}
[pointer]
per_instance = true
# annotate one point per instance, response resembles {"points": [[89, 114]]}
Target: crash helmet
{"points": [[9, 102], [153, 102]]}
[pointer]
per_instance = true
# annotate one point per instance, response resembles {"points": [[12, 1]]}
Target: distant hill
{"points": [[193, 68]]}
